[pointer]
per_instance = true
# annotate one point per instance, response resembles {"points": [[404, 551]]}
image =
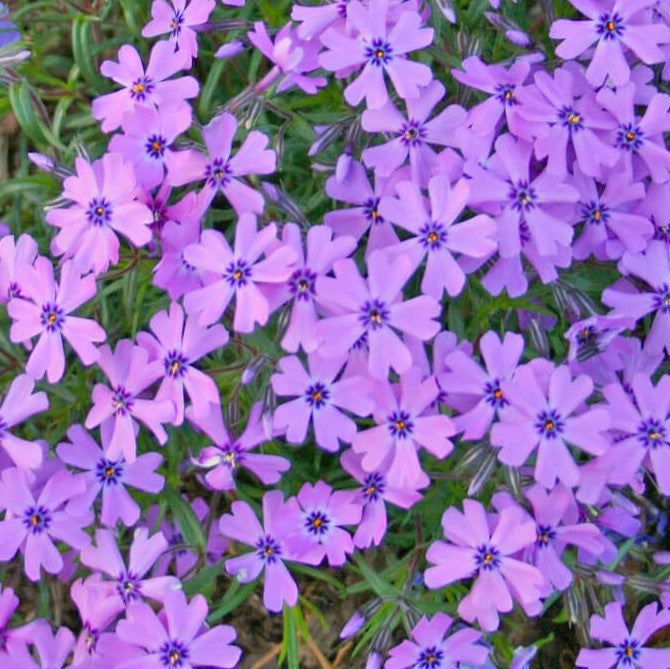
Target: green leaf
{"points": [[233, 598], [189, 525], [82, 43], [290, 642], [204, 581], [19, 98], [373, 579]]}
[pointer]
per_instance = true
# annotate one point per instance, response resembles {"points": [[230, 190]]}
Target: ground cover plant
{"points": [[334, 334]]}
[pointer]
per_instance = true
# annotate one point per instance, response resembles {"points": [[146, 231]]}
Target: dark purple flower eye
{"points": [[662, 299], [269, 549], [52, 317], [128, 586], [176, 23], [400, 424], [218, 173], [549, 424], [121, 401], [173, 654], [610, 26], [373, 487], [141, 88], [629, 137], [302, 284], [99, 211], [175, 364], [505, 94], [628, 652], [433, 236], [379, 52], [652, 433], [571, 118], [494, 395], [37, 519], [412, 133], [238, 273], [155, 146], [108, 472], [374, 314], [371, 211], [522, 196], [317, 395], [545, 534], [487, 557], [317, 523]]}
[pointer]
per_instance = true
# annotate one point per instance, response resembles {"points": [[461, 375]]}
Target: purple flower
{"points": [[626, 649], [178, 343], [34, 523], [14, 255], [293, 59], [569, 124], [227, 455], [356, 189], [143, 88], [436, 235], [616, 26], [240, 273], [315, 19], [130, 586], [369, 312], [375, 490], [379, 50], [322, 252], [477, 552], [45, 311], [129, 372], [269, 544], [610, 227], [109, 476], [653, 266], [180, 645], [465, 377], [177, 19], [430, 650], [18, 404], [52, 649], [502, 84], [403, 425], [219, 170], [641, 419], [104, 196], [639, 139], [9, 603], [319, 398], [541, 417], [148, 136], [319, 533], [413, 134]]}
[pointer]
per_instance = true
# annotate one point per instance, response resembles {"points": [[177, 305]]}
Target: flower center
{"points": [[175, 364], [400, 424], [269, 549], [37, 519], [610, 26], [317, 395], [487, 557], [493, 394], [505, 94], [374, 314], [522, 196], [218, 173], [302, 284], [662, 299], [629, 137], [628, 651], [571, 118], [128, 586], [373, 487], [108, 472], [549, 424], [545, 534], [155, 146], [173, 654], [412, 133], [432, 236], [379, 52], [99, 211], [652, 433], [121, 401], [237, 273], [371, 211], [52, 317], [430, 658], [176, 23], [317, 523], [141, 89]]}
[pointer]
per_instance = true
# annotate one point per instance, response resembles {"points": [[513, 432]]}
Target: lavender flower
{"points": [[14, 255]]}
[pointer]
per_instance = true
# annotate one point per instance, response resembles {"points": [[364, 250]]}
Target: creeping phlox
{"points": [[369, 336]]}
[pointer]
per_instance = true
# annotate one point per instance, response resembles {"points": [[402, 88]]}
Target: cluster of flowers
{"points": [[550, 168]]}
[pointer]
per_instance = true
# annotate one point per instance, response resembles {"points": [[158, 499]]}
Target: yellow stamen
{"points": [[138, 88], [400, 425], [316, 395], [610, 26], [549, 425], [498, 394], [433, 237], [630, 136], [174, 368]]}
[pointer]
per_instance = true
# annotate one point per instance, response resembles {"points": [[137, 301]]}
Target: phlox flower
{"points": [[321, 252], [173, 639], [355, 188], [369, 312], [270, 547], [9, 603], [616, 26], [240, 273], [436, 234], [178, 343], [117, 408], [379, 49], [177, 18], [320, 533], [14, 254], [374, 492], [320, 399], [104, 195], [653, 266], [641, 419], [18, 404], [403, 425], [413, 134], [503, 86], [227, 454], [293, 59], [130, 584], [219, 169], [109, 476], [33, 523], [544, 414], [52, 649], [430, 649], [465, 377], [45, 312], [481, 550], [143, 88], [147, 138], [639, 141], [626, 648]]}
